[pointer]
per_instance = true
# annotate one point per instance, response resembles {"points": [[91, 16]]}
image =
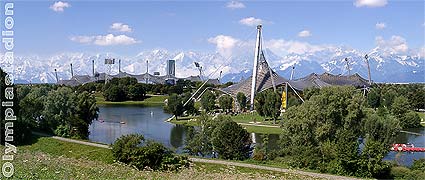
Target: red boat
{"points": [[407, 148]]}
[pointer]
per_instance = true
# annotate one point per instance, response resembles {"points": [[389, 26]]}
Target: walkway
{"points": [[312, 174], [214, 161], [260, 125]]}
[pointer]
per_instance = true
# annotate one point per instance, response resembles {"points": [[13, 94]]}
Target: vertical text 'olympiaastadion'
{"points": [[7, 97]]}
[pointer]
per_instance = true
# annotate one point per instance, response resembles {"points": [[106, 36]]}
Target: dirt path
{"points": [[318, 175], [260, 125], [73, 140], [214, 161]]}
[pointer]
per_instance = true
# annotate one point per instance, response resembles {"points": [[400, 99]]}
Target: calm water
{"points": [[150, 121], [407, 158]]}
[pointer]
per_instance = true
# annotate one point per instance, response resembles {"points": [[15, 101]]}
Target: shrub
{"points": [[399, 172], [231, 140], [419, 165], [132, 150], [125, 145], [62, 131]]}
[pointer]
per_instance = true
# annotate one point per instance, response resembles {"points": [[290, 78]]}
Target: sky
{"points": [[128, 27]]}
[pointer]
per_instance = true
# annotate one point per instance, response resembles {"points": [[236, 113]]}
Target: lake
{"points": [[117, 120]]}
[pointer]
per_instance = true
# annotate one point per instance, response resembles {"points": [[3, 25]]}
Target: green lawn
{"points": [[263, 130], [192, 121], [250, 118], [48, 158], [149, 101], [422, 115], [71, 150]]}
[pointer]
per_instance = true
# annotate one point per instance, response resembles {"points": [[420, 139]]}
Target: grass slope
{"points": [[47, 158]]}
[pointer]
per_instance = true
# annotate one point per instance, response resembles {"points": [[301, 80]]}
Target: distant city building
{"points": [[171, 68]]}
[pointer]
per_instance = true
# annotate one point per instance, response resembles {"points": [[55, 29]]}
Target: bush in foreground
{"points": [[133, 150]]}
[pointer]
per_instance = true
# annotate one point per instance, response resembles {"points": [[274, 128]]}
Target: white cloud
{"points": [[304, 33], [105, 40], [282, 47], [59, 6], [380, 25], [422, 52], [251, 21], [396, 44], [121, 27], [224, 44], [235, 5], [370, 3]]}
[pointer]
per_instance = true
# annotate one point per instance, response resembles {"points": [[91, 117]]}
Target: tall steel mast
{"points": [[254, 71], [368, 69]]}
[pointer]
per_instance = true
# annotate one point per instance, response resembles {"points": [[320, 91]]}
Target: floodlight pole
{"points": [[93, 67], [56, 74], [348, 66], [72, 71], [254, 71], [368, 69], [292, 72]]}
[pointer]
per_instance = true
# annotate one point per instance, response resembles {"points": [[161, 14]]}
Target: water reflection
{"points": [[177, 136]]}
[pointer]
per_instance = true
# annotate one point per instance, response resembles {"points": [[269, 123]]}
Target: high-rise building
{"points": [[171, 67]]}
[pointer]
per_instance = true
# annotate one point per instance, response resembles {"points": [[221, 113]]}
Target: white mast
{"points": [[292, 72], [368, 69], [254, 71], [348, 66]]}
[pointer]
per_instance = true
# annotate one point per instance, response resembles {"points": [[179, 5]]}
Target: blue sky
{"points": [[51, 27]]}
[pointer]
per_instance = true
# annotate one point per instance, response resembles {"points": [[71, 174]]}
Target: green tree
{"points": [[32, 106], [241, 98], [136, 92], [226, 103], [268, 104], [199, 142], [410, 119], [400, 106], [260, 100], [115, 93], [86, 112], [127, 81], [208, 101], [231, 141], [323, 133], [174, 105], [374, 98], [59, 108], [272, 105], [388, 97], [190, 106]]}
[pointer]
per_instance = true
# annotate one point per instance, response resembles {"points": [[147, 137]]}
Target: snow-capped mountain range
{"points": [[385, 67]]}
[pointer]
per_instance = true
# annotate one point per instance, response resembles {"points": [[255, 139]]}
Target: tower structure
{"points": [[255, 68], [348, 65], [292, 72], [368, 69], [171, 67], [108, 63], [72, 71]]}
